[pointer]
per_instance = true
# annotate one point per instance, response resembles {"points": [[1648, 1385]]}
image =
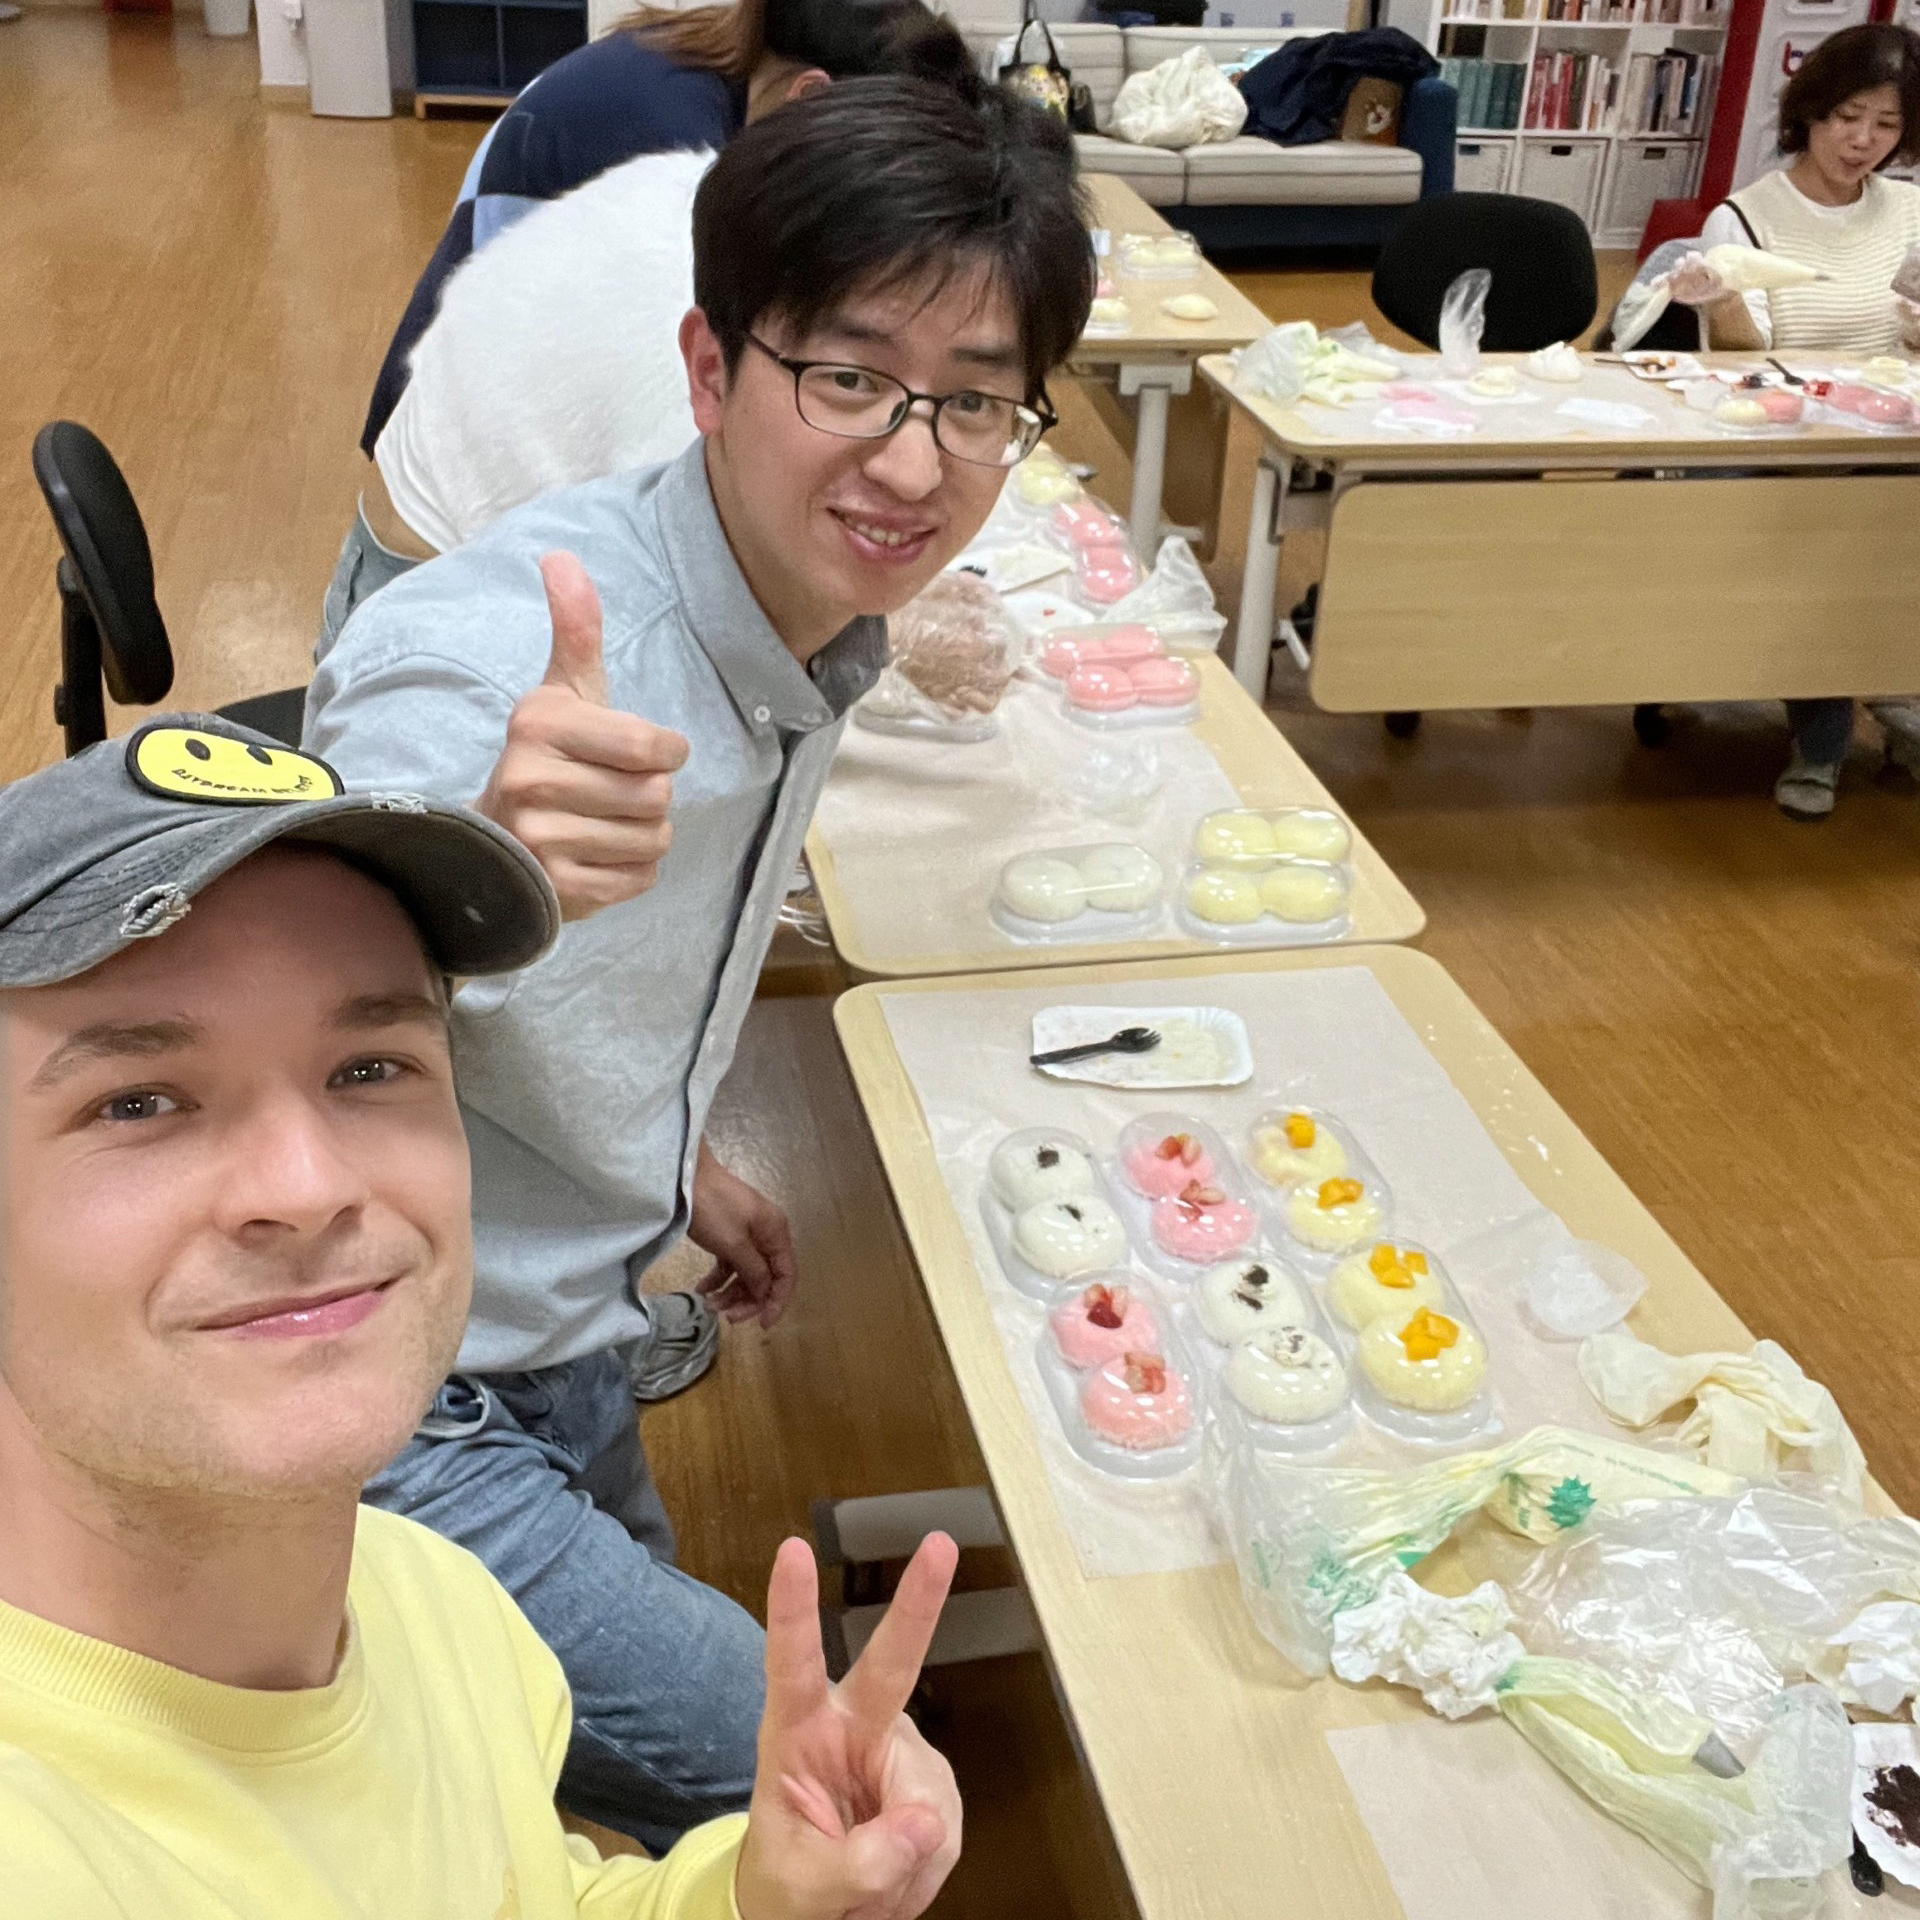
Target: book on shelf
{"points": [[1571, 92], [1489, 92], [1666, 92]]}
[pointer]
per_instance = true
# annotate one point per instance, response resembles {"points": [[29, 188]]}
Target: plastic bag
{"points": [[1754, 1414], [1878, 1654], [1297, 361], [952, 652], [1762, 1841], [1311, 1542], [1716, 1603], [1463, 319], [1186, 102], [1175, 600]]}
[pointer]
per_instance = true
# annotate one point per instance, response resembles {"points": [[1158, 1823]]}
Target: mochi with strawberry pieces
{"points": [[1163, 1168], [1102, 1323], [1203, 1224], [1137, 1401]]}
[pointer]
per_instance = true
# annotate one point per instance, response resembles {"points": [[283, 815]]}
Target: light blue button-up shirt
{"points": [[585, 1080]]}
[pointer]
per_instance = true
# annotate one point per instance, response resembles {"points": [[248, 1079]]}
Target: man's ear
{"points": [[707, 381], [807, 80]]}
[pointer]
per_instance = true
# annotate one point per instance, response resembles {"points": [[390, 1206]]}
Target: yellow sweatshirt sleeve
{"points": [[693, 1882]]}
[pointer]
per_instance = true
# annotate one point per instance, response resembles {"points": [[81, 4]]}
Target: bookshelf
{"points": [[1602, 105]]}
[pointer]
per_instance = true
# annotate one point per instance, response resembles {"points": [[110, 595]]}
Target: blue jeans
{"points": [[1822, 729], [541, 1476], [364, 567]]}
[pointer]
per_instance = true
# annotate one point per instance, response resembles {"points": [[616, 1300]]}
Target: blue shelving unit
{"points": [[476, 50]]}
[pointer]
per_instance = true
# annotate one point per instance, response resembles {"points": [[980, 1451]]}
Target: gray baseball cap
{"points": [[111, 846]]}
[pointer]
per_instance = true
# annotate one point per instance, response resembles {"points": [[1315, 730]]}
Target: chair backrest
{"points": [[1148, 46], [106, 542], [1544, 288]]}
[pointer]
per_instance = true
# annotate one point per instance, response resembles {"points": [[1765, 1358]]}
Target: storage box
{"points": [[1566, 171], [1644, 171], [1482, 166]]}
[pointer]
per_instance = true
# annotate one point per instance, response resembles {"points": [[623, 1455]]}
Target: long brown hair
{"points": [[728, 39]]}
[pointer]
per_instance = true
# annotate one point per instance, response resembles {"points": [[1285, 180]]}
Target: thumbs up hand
{"points": [[585, 788], [854, 1816]]}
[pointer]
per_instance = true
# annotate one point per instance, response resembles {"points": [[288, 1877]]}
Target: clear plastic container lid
{"points": [[1110, 891], [1103, 575], [1159, 691], [1113, 1314], [1583, 1289], [1183, 1197], [1385, 1277], [1157, 256], [1106, 644], [1137, 1417], [913, 726], [1290, 1144], [1251, 839], [1291, 903], [1870, 408], [1285, 1390], [1107, 316], [1052, 1245]]}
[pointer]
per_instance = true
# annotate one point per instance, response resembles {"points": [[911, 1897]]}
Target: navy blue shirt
{"points": [[597, 107]]}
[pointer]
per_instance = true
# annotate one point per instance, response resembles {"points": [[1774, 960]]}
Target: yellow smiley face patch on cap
{"points": [[188, 763]]}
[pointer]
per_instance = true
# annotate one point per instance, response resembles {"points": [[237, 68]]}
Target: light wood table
{"points": [[1205, 1746], [1250, 750], [1153, 360], [1669, 561]]}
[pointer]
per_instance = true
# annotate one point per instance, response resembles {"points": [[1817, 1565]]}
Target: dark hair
{"points": [[1855, 60], [880, 183], [844, 38]]}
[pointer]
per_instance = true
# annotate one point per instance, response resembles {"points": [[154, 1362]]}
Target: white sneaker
{"points": [[1808, 788]]}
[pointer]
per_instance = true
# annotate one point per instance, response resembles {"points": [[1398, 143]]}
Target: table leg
{"points": [[1253, 636], [1153, 388]]}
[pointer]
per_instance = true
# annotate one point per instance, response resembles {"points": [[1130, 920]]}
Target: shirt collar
{"points": [[771, 689]]}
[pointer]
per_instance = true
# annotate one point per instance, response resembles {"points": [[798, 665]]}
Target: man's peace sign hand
{"points": [[854, 1816]]}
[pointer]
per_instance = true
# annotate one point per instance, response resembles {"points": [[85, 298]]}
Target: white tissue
{"points": [[1882, 1644], [1453, 1651], [1558, 362]]}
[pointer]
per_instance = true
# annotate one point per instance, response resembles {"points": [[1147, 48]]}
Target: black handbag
{"points": [[1047, 83]]}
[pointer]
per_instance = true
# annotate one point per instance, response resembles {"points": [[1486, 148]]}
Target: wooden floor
{"points": [[1725, 1002]]}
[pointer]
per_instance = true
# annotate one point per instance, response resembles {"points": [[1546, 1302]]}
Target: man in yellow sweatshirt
{"points": [[235, 1265]]}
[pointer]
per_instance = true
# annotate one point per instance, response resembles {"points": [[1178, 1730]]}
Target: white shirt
{"points": [[1723, 229], [554, 357]]}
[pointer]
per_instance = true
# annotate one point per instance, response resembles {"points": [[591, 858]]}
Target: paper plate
{"points": [[1878, 1748], [1199, 1047]]}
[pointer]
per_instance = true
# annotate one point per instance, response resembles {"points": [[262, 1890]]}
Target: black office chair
{"points": [[110, 624], [1544, 286]]}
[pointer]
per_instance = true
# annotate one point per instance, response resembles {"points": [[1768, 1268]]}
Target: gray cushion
{"points": [[1250, 172], [1156, 174]]}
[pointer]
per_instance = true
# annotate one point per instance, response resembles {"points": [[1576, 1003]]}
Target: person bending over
{"points": [[663, 80], [884, 277], [233, 1268], [1851, 110]]}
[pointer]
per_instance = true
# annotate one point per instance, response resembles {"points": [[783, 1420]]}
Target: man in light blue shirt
{"points": [[884, 277]]}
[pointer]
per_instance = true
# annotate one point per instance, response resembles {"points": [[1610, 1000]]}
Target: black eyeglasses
{"points": [[984, 429]]}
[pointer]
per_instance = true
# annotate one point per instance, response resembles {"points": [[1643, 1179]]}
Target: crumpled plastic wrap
{"points": [[1879, 1656], [1298, 362], [1311, 1542], [1716, 1603], [1175, 600], [1753, 1414], [1762, 1841], [1454, 1651], [1463, 319], [953, 649]]}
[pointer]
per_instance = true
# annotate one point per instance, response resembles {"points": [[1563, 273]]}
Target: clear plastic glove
{"points": [[1907, 313], [1463, 319], [1695, 284]]}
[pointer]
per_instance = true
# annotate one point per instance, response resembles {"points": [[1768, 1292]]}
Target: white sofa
{"points": [[1218, 191]]}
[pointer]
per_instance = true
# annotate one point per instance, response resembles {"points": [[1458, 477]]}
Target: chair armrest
{"points": [[1428, 117]]}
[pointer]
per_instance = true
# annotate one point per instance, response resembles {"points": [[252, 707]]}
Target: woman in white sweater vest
{"points": [[1851, 109]]}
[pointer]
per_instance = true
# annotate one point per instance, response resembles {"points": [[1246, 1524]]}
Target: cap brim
{"points": [[479, 899]]}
